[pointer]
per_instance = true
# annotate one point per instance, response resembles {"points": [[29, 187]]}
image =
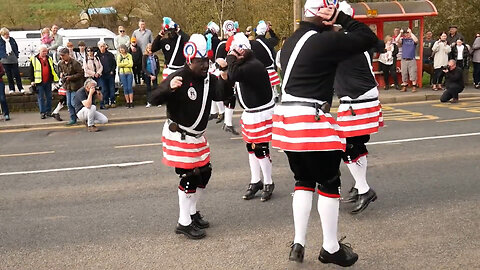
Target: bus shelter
{"points": [[384, 17]]}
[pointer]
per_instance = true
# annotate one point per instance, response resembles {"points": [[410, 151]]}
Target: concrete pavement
{"points": [[140, 113]]}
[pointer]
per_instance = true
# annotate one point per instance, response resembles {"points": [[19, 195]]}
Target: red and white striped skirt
{"points": [[274, 78], [295, 129], [167, 71], [367, 119], [257, 126], [186, 154]]}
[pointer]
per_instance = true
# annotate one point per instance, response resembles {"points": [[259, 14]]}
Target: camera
{"points": [[98, 88]]}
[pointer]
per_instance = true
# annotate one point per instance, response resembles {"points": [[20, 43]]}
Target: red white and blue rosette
{"points": [[190, 51]]}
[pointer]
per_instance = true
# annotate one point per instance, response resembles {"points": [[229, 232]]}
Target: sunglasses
{"points": [[122, 31]]}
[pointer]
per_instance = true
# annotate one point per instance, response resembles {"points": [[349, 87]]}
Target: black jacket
{"points": [[354, 76], [221, 51], [255, 89], [167, 45], [108, 62], [313, 72], [454, 80], [466, 56], [144, 65], [137, 56], [181, 107], [261, 52]]}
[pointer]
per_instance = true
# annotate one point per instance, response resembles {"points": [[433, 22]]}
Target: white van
{"points": [[29, 42]]}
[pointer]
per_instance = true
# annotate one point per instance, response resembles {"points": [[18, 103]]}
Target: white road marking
{"points": [[27, 154], [236, 138], [458, 119], [121, 165], [426, 138], [137, 145]]}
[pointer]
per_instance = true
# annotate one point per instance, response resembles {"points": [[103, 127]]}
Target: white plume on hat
{"points": [[261, 28], [240, 40], [313, 6], [213, 27], [346, 8], [196, 47]]}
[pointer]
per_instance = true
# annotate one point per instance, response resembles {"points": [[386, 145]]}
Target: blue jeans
{"points": [[71, 109], [107, 82], [3, 99], [127, 82], [476, 73], [44, 92]]}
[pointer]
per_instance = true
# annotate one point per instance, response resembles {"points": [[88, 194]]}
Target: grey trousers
{"points": [[91, 116]]}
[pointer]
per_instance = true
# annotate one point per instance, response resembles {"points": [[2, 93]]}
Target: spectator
{"points": [[125, 64], [107, 80], [248, 33], [9, 58], [70, 49], [461, 54], [142, 35], [81, 55], [42, 75], [85, 105], [3, 98], [121, 38], [427, 55], [45, 38], [476, 61], [396, 40], [136, 53], [440, 51], [150, 67], [57, 42], [92, 66], [453, 82], [453, 35], [387, 61], [72, 77], [409, 63]]}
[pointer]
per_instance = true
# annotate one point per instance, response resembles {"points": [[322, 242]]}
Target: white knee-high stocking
{"points": [[359, 173], [195, 198], [184, 203], [328, 211], [228, 117], [254, 168], [302, 205], [266, 165]]}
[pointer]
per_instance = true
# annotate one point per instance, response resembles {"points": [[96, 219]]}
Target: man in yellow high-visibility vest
{"points": [[42, 76]]}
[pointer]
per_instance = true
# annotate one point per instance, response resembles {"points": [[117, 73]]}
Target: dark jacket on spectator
{"points": [[73, 69], [108, 61], [454, 80], [137, 56], [466, 55], [3, 47], [2, 72], [144, 65]]}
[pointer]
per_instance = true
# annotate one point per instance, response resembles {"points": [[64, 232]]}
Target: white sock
{"points": [[184, 202], [221, 107], [302, 205], [195, 198], [59, 107], [254, 168], [228, 117], [266, 165], [213, 108], [328, 211], [359, 173]]}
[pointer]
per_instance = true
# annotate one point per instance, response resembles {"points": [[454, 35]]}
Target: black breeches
{"points": [[191, 179], [355, 148]]}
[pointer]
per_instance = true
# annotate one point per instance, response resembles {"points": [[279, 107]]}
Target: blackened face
{"points": [[199, 66]]}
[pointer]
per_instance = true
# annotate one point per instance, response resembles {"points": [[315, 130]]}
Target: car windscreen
{"points": [[110, 44], [89, 42]]}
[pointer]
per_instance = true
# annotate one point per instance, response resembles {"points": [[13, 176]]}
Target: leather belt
{"points": [[356, 101], [174, 127], [325, 107], [408, 59], [260, 110]]}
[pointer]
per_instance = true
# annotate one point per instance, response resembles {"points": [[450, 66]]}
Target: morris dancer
{"points": [[230, 28], [264, 50], [188, 93], [170, 40], [255, 96], [359, 115], [303, 126]]}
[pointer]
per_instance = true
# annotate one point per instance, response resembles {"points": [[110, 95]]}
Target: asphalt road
{"points": [[123, 217]]}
